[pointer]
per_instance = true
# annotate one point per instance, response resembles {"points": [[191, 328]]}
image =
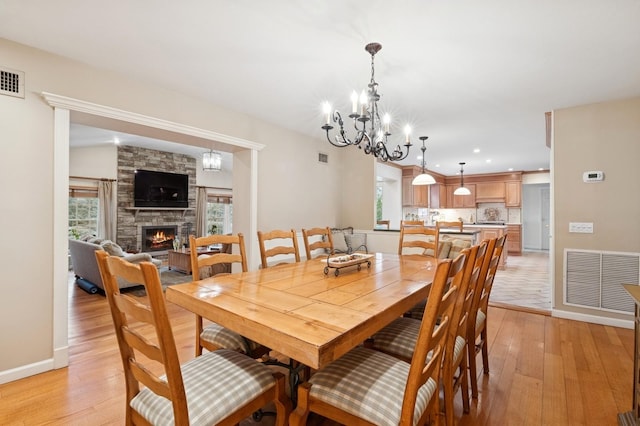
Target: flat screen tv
{"points": [[160, 189]]}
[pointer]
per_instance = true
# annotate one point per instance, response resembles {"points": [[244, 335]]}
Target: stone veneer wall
{"points": [[128, 234]]}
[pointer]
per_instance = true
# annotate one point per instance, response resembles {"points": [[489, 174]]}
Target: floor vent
{"points": [[11, 82], [594, 279], [323, 158]]}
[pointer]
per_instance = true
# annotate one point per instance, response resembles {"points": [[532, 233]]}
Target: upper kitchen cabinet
{"points": [[460, 201], [414, 195], [490, 192], [421, 195], [513, 196]]}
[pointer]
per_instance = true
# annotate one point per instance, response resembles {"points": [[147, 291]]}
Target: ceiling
{"points": [[467, 74]]}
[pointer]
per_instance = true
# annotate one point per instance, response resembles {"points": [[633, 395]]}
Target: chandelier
{"points": [[371, 133], [212, 161]]}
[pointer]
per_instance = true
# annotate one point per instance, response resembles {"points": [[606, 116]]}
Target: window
{"points": [[219, 214], [83, 212]]}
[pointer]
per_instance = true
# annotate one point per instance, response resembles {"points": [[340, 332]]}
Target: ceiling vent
{"points": [[323, 158], [11, 82]]}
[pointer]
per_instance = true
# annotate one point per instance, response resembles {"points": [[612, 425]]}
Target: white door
{"points": [[544, 218]]}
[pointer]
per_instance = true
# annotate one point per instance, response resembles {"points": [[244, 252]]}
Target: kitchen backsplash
{"points": [[485, 212]]}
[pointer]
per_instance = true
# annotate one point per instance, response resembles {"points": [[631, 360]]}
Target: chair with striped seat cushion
{"points": [[399, 338], [477, 326], [214, 336], [370, 387], [221, 387]]}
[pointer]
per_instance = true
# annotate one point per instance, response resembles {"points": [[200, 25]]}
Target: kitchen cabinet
{"points": [[490, 192], [514, 239], [414, 195], [490, 232], [437, 196], [513, 194], [464, 201]]}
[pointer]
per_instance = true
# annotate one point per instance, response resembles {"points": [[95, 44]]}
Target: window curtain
{"points": [[201, 211], [107, 213]]}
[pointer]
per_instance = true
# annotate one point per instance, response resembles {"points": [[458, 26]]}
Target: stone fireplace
{"points": [[134, 223], [158, 238]]}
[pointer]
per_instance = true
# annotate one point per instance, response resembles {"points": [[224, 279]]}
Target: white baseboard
{"points": [[26, 371], [60, 360], [594, 319]]}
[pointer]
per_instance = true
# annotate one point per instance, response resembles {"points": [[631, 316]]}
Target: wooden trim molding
{"points": [[78, 105]]}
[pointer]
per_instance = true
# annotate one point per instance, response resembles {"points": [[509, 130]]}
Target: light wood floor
{"points": [[544, 371]]}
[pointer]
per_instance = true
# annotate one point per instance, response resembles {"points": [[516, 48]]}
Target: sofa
{"points": [[85, 265]]}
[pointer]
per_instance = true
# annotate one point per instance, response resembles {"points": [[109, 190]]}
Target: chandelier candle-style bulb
{"points": [[326, 108], [371, 133], [407, 133]]}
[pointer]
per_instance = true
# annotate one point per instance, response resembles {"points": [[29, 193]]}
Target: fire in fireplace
{"points": [[156, 238]]}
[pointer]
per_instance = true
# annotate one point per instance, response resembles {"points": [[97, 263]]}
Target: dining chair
{"points": [[399, 338], [317, 238], [281, 237], [214, 336], [419, 239], [383, 223], [450, 224], [220, 387], [477, 327], [370, 387]]}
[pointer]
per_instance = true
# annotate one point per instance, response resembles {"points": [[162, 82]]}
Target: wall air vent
{"points": [[594, 279], [323, 158], [11, 82]]}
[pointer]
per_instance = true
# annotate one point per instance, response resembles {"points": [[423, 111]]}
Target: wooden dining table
{"points": [[303, 313]]}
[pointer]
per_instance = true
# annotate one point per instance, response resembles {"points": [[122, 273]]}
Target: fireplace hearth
{"points": [[158, 238]]}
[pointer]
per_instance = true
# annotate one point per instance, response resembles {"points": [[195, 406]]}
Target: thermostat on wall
{"points": [[593, 176]]}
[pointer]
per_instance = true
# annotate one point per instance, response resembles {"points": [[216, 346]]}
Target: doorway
{"points": [[67, 110], [535, 216]]}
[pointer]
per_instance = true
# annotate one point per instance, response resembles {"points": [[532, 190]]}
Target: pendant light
{"points": [[462, 190], [423, 178], [212, 161]]}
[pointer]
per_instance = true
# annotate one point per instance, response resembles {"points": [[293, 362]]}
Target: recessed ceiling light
{"points": [[116, 140], [437, 165], [510, 169], [488, 160], [477, 150]]}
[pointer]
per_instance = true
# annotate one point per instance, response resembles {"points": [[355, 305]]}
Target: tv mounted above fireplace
{"points": [[160, 189]]}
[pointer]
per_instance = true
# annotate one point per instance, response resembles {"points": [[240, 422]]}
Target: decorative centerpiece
{"points": [[346, 260]]}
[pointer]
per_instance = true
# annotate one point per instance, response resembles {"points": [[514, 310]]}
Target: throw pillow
{"points": [[356, 242], [457, 246], [444, 249], [339, 242], [95, 240], [112, 248]]}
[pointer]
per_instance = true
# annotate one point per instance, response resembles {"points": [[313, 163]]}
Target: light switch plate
{"points": [[581, 227]]}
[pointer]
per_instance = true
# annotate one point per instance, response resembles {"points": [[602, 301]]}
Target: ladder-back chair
{"points": [[312, 243], [197, 392], [349, 389], [214, 336], [280, 250]]}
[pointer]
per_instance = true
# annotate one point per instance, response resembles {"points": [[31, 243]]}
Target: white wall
{"points": [[27, 210]]}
